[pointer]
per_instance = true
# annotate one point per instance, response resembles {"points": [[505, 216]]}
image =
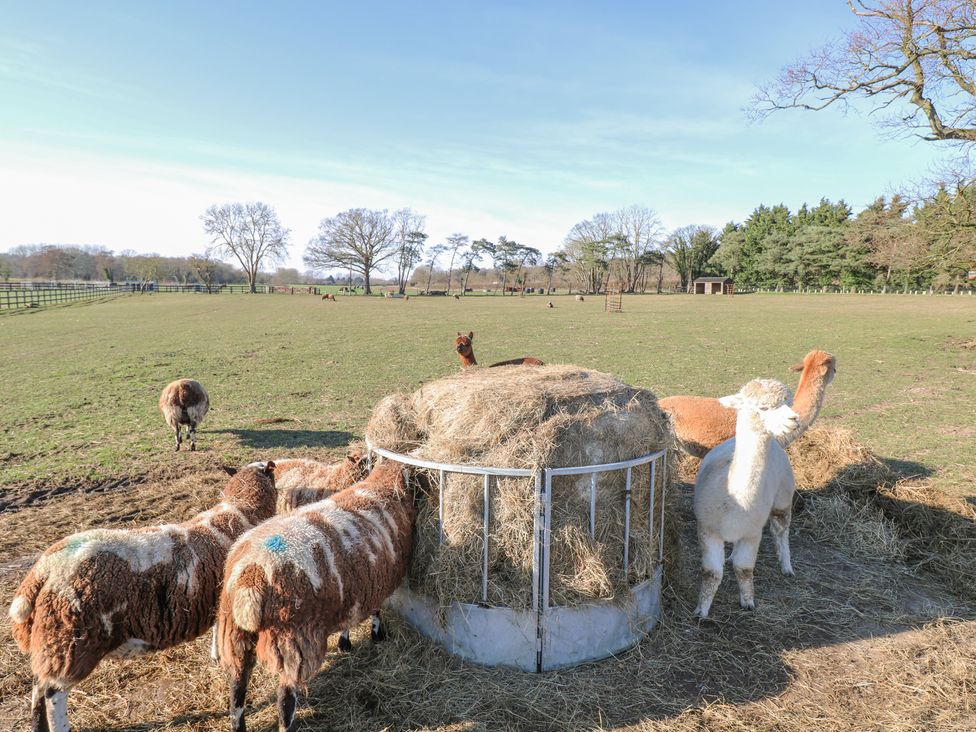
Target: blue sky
{"points": [[121, 122]]}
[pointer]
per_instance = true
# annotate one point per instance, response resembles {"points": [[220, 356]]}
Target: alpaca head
{"points": [[818, 363], [462, 344], [764, 403]]}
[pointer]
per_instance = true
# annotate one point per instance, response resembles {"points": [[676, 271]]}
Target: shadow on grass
{"points": [[290, 438]]}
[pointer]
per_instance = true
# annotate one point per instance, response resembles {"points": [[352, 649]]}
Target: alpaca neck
{"points": [[468, 360], [809, 399], [749, 459]]}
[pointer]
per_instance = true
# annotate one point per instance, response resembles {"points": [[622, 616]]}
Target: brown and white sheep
{"points": [[295, 580], [301, 481], [184, 402], [125, 592]]}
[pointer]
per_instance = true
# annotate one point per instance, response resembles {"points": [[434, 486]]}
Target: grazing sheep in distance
{"points": [[701, 423], [124, 592], [298, 578], [184, 402], [457, 297], [550, 305], [579, 298], [464, 345], [743, 483]]}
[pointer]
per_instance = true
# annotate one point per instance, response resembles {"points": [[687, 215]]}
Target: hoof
{"points": [[177, 448], [193, 447], [345, 645], [747, 605], [699, 614], [378, 634], [788, 572]]}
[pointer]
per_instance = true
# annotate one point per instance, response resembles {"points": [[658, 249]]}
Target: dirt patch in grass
{"points": [[870, 635]]}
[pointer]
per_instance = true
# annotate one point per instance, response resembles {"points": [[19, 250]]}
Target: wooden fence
{"points": [[16, 298]]}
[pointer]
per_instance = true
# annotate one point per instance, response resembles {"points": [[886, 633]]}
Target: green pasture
{"points": [[298, 375]]}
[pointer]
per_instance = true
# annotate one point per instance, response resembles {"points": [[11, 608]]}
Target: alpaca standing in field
{"points": [[743, 483], [184, 402], [298, 578], [125, 592], [701, 423], [463, 344]]}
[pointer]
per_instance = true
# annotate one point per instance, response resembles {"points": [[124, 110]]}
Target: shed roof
{"points": [[713, 279]]}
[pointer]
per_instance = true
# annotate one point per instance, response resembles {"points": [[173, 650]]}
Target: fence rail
{"points": [[35, 297]]}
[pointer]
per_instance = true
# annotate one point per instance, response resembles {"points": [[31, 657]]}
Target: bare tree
{"points": [[916, 57], [432, 254], [205, 268], [642, 234], [454, 243], [358, 240], [410, 238], [250, 232]]}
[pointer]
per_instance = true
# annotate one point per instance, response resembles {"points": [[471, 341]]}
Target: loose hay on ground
{"points": [[528, 417]]}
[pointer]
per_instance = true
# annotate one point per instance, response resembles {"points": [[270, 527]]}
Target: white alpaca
{"points": [[743, 483]]}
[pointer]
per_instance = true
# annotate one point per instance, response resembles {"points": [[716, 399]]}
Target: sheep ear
{"points": [[269, 468], [796, 367], [471, 335], [355, 455], [229, 470], [732, 401]]}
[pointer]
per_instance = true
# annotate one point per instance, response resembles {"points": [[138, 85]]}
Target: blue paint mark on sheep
{"points": [[74, 545], [275, 544]]}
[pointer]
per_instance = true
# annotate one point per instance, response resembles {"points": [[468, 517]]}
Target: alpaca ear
{"points": [[269, 468], [459, 333], [230, 471], [796, 367], [471, 336], [732, 401]]}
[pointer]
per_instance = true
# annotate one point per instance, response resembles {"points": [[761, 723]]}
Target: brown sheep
{"points": [[302, 576], [184, 402], [125, 592]]}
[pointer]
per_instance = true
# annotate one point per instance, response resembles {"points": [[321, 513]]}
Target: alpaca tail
{"points": [[22, 609]]}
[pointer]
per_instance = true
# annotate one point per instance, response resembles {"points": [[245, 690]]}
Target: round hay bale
{"points": [[528, 417]]}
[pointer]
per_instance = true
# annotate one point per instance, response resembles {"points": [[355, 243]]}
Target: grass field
{"points": [[863, 641]]}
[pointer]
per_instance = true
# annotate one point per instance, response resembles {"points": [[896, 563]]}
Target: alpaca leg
{"points": [[713, 558], [287, 704], [238, 689], [744, 562], [779, 527], [57, 709], [344, 643], [38, 709], [376, 631]]}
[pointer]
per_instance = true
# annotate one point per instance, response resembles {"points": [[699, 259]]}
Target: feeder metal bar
{"points": [[627, 524], [484, 566], [592, 505]]}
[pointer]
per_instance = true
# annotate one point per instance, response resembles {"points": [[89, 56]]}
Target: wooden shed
{"points": [[712, 286]]}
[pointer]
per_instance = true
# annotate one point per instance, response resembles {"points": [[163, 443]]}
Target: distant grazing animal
{"points": [[457, 297], [125, 592], [329, 296], [463, 344], [550, 305], [406, 297], [579, 298], [184, 402], [302, 576], [743, 483], [701, 423]]}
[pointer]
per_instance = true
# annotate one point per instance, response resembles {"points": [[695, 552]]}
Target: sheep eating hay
{"points": [[546, 416]]}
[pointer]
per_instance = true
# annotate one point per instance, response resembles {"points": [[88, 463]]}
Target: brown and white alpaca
{"points": [[296, 579], [701, 423], [124, 592], [463, 344], [184, 402], [743, 483]]}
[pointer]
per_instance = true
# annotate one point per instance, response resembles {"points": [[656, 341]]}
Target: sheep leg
{"points": [[57, 709], [193, 437], [179, 437], [376, 631], [344, 643], [38, 709], [713, 559], [744, 563], [287, 704], [238, 689], [213, 644], [779, 527]]}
